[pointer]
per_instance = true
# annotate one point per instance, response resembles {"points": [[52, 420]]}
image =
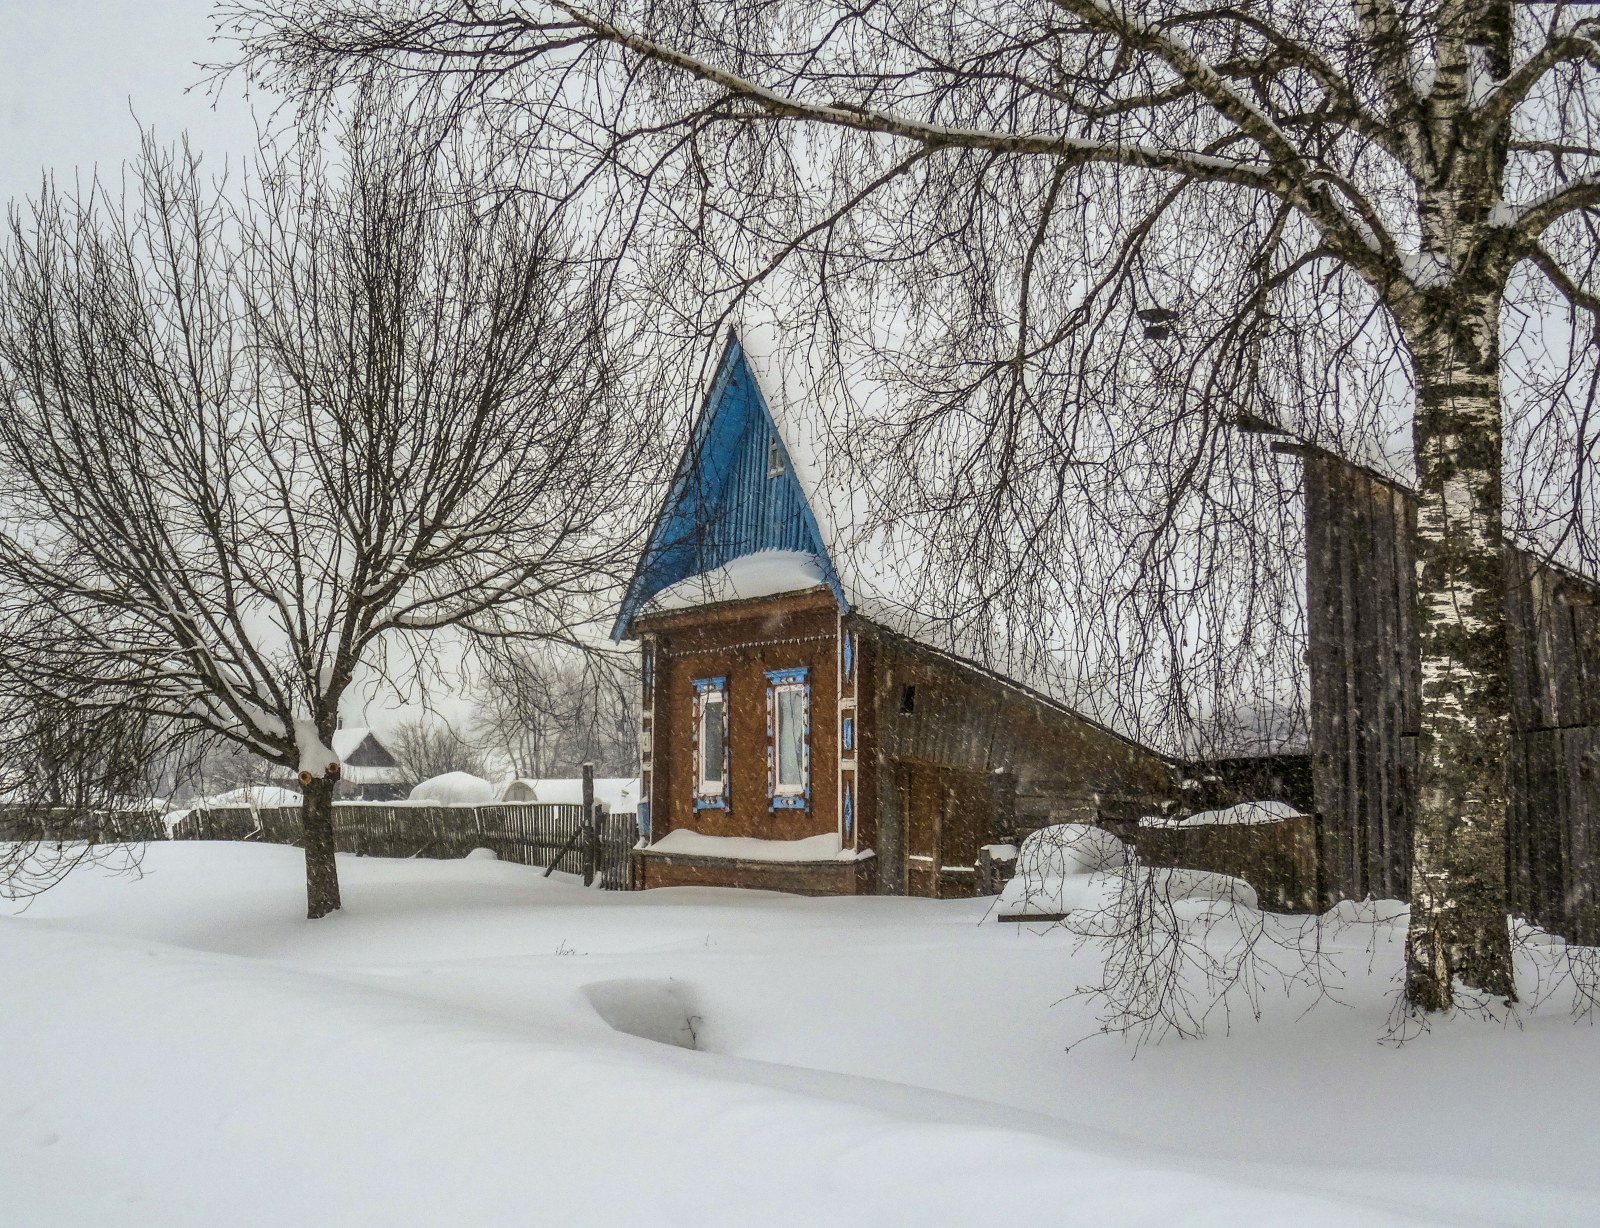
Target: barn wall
{"points": [[742, 641], [1364, 660], [1365, 673], [1010, 760]]}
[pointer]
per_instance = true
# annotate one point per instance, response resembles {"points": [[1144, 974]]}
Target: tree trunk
{"points": [[1458, 857], [322, 871]]}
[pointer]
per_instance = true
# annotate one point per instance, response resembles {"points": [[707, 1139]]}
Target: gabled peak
{"points": [[740, 491]]}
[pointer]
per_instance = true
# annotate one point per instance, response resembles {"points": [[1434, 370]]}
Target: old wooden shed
{"points": [[1364, 703]]}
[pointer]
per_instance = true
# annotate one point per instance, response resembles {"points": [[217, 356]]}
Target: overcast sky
{"points": [[74, 73]]}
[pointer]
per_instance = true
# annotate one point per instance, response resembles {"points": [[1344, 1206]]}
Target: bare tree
{"points": [[425, 748], [549, 710], [76, 783], [1306, 186], [217, 765], [250, 442]]}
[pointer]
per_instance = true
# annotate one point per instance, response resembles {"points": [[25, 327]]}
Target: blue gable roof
{"points": [[727, 500]]}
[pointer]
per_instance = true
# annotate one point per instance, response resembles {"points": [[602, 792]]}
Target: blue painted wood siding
{"points": [[725, 501]]}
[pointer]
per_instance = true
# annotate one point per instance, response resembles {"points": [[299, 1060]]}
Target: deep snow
{"points": [[181, 1049]]}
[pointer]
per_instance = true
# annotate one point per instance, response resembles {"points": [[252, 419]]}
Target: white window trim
{"points": [[792, 795], [781, 787], [709, 793]]}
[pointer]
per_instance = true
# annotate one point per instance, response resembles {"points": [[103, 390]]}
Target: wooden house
{"points": [[801, 731], [1364, 659]]}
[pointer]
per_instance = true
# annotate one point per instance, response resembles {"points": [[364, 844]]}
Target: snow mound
{"points": [[615, 793], [1201, 887], [762, 574], [1070, 848], [256, 797], [1245, 814], [456, 789], [664, 1011], [1072, 867], [750, 848]]}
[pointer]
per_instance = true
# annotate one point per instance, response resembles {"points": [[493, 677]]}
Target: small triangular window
{"points": [[774, 457]]}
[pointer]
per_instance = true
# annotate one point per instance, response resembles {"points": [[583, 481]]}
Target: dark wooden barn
{"points": [[1364, 676], [794, 736]]}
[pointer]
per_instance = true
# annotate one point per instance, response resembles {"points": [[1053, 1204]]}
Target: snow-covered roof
{"points": [[765, 573], [456, 789]]}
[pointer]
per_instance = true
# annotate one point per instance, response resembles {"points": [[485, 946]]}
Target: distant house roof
{"points": [[364, 759]]}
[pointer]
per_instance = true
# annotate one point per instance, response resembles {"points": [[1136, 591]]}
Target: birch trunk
{"points": [[1458, 869], [322, 872]]}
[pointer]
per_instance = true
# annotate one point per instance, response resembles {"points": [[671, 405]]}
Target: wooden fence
{"points": [[531, 834], [1281, 860], [26, 824]]}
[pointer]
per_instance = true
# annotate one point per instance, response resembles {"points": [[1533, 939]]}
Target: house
{"points": [[367, 771], [803, 729]]}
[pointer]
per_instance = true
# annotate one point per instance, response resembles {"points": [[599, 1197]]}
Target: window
{"points": [[711, 743], [774, 457], [788, 733], [908, 700]]}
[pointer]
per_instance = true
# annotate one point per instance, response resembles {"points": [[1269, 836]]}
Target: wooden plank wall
{"points": [[27, 824], [1364, 661], [1554, 862], [1043, 764], [1365, 675]]}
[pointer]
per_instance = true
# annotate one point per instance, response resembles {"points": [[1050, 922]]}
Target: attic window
{"points": [[908, 700], [774, 457]]}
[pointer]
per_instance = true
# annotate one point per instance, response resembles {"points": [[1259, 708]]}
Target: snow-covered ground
{"points": [[181, 1049]]}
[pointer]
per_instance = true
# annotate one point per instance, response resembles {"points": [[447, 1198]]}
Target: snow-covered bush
{"points": [[456, 789], [1177, 943]]}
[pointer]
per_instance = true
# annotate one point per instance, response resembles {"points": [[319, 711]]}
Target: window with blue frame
{"points": [[788, 739], [711, 743]]}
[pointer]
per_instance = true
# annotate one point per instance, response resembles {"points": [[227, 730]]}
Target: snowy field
{"points": [[180, 1049]]}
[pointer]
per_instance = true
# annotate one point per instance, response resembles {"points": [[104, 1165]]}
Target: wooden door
{"points": [[921, 806], [946, 811]]}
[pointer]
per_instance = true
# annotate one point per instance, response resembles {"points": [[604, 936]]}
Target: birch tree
{"points": [[1413, 160], [254, 440]]}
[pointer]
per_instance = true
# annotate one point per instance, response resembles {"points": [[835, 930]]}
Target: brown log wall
{"points": [[796, 877], [1007, 760]]}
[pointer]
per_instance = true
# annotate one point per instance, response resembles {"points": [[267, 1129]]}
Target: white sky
{"points": [[74, 73], [73, 76]]}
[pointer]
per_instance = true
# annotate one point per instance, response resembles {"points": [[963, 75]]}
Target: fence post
{"points": [[586, 839]]}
